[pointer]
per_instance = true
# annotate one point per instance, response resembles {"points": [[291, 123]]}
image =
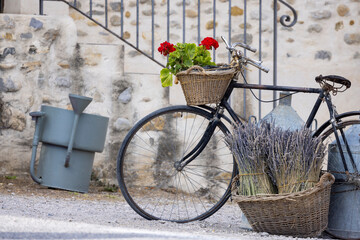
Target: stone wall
{"points": [[41, 62], [43, 59]]}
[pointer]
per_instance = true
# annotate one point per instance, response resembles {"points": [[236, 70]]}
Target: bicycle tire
{"points": [[153, 187], [345, 196]]}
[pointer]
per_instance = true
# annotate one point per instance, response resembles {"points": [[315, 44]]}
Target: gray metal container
{"points": [[53, 174], [69, 142], [284, 116], [344, 211], [57, 126]]}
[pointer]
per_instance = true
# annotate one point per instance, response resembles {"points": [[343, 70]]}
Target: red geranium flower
{"points": [[166, 48], [209, 42]]}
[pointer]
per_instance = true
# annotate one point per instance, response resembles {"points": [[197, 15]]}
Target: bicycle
{"points": [[174, 165]]}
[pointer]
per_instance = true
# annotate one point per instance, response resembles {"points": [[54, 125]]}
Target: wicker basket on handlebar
{"points": [[300, 214], [202, 86]]}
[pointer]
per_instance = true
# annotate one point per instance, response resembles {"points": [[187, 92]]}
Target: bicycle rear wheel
{"points": [[146, 170], [345, 195]]}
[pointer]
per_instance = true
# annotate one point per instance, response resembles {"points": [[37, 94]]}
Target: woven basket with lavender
{"points": [[278, 187]]}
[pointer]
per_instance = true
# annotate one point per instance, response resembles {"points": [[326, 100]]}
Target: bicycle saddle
{"points": [[334, 79]]}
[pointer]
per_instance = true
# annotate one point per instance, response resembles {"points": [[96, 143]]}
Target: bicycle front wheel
{"points": [[146, 166]]}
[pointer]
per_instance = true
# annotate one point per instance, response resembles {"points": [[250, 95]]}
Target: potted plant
{"points": [[190, 65], [183, 56]]}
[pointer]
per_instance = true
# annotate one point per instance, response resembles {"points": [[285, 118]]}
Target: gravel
{"points": [[109, 209]]}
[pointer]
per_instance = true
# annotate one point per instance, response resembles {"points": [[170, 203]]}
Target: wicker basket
{"points": [[203, 87], [301, 214]]}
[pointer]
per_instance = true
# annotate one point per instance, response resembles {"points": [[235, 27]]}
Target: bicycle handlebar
{"points": [[243, 45], [238, 54], [257, 64]]}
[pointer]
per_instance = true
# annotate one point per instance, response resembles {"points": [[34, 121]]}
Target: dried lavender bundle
{"points": [[294, 159], [248, 146]]}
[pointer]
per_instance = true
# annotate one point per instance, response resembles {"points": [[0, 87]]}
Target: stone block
{"points": [[315, 28], [10, 85], [323, 55], [115, 20], [352, 38], [342, 10], [236, 11], [9, 22], [122, 124], [321, 14], [63, 82], [339, 25], [191, 13], [7, 66], [210, 25], [9, 36], [7, 51], [115, 6], [12, 118], [30, 66], [125, 96], [36, 24], [27, 35]]}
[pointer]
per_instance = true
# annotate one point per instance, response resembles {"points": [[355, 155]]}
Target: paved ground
{"points": [[30, 211]]}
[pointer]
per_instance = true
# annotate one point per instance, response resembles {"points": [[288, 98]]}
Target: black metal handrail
{"points": [[41, 9]]}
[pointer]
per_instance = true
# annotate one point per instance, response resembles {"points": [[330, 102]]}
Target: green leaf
{"points": [[10, 177], [166, 77], [188, 63], [190, 49], [178, 67]]}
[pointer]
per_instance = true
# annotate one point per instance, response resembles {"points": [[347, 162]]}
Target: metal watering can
{"points": [[69, 142]]}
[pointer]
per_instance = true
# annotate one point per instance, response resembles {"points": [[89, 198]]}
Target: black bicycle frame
{"points": [[235, 84], [218, 114]]}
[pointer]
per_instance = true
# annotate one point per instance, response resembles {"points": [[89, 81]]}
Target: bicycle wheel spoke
{"points": [[195, 181], [192, 125], [147, 144], [144, 148], [195, 189], [192, 197], [202, 176], [196, 138]]}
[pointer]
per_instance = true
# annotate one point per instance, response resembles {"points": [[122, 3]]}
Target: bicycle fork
{"points": [[188, 158]]}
